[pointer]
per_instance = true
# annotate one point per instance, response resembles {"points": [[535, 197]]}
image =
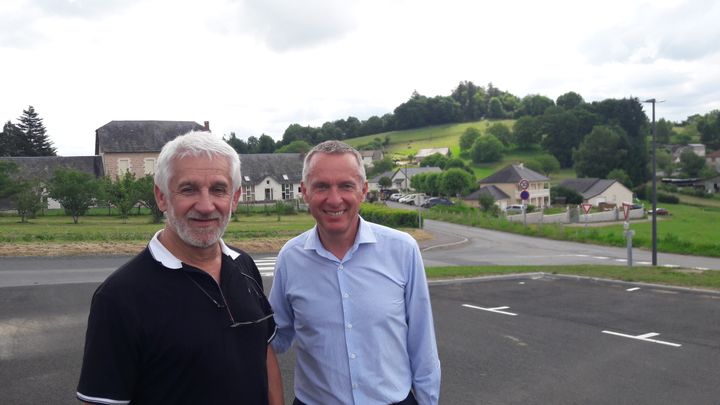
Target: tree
{"points": [[456, 162], [535, 105], [602, 150], [691, 164], [620, 176], [545, 164], [385, 182], [74, 190], [487, 202], [381, 166], [569, 100], [266, 144], [562, 134], [29, 200], [664, 162], [571, 196], [468, 138], [146, 197], [709, 128], [434, 160], [432, 183], [527, 132], [487, 149], [34, 132], [664, 131], [12, 141], [8, 185], [125, 194], [298, 146], [417, 182], [501, 132], [240, 146], [455, 182], [495, 109]]}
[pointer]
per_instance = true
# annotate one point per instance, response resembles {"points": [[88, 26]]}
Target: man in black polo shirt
{"points": [[185, 321]]}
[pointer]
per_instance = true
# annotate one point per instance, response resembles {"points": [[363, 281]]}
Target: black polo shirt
{"points": [[163, 335]]}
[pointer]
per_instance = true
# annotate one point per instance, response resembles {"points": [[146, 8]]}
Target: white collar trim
{"points": [[161, 254]]}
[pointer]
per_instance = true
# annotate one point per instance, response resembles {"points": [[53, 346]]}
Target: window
{"points": [[287, 192], [250, 193], [123, 166], [149, 165]]}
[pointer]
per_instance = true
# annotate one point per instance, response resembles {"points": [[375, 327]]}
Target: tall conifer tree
{"points": [[36, 142]]}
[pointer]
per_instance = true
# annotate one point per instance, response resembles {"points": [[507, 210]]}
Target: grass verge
{"points": [[708, 279]]}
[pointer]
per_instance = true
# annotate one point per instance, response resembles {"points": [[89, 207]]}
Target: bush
{"points": [[392, 217]]}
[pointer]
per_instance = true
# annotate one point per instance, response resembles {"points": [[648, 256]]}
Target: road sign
{"points": [[586, 207], [524, 184], [626, 210], [524, 195]]}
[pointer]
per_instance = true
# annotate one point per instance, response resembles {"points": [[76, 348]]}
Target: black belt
{"points": [[409, 400]]}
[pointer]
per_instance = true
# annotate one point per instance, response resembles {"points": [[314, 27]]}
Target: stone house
{"points": [[133, 146], [271, 176]]}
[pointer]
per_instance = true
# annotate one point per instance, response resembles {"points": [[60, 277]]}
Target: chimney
{"points": [[207, 126]]}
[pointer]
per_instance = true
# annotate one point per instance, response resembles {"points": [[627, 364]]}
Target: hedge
{"points": [[392, 217]]}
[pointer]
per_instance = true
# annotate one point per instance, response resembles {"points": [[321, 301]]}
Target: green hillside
{"points": [[409, 142]]}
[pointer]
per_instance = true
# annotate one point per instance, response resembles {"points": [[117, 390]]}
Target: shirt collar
{"points": [[161, 254], [365, 234]]}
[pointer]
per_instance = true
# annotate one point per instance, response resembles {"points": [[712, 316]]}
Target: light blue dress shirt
{"points": [[363, 325]]}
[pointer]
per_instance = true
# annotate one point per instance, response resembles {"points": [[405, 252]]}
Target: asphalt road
{"points": [[532, 339]]}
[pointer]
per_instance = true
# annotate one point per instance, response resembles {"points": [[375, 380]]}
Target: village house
{"points": [[599, 191], [505, 186]]}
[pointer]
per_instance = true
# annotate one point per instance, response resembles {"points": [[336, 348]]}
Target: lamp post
{"points": [[654, 183]]}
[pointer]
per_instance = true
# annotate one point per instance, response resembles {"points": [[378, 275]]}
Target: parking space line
{"points": [[633, 289], [496, 309], [644, 337]]}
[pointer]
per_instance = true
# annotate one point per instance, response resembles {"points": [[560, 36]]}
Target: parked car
{"points": [[433, 201], [659, 211], [514, 209], [406, 198], [395, 196]]}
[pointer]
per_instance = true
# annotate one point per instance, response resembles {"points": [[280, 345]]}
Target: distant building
{"points": [[134, 146], [502, 200], [677, 150], [596, 191], [369, 157], [423, 153], [507, 179], [271, 176], [713, 160]]}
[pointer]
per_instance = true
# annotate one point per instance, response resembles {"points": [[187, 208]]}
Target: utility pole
{"points": [[654, 182]]}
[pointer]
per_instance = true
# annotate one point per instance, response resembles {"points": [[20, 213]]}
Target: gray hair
{"points": [[335, 148], [195, 144]]}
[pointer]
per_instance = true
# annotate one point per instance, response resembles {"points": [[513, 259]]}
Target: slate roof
{"points": [[513, 174], [389, 174], [493, 191], [588, 187], [258, 166], [43, 167], [140, 136], [411, 171]]}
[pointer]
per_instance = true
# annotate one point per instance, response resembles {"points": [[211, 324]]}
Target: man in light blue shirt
{"points": [[353, 296]]}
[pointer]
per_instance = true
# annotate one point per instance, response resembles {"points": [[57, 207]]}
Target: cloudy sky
{"points": [[256, 66]]}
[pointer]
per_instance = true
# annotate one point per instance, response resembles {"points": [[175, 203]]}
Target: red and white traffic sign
{"points": [[626, 210], [524, 184], [586, 207]]}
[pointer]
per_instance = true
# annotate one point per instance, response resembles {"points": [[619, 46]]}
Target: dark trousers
{"points": [[410, 400]]}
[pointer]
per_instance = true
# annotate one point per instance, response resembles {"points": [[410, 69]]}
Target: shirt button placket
{"points": [[347, 319]]}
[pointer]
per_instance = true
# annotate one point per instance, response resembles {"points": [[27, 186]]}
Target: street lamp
{"points": [[654, 184]]}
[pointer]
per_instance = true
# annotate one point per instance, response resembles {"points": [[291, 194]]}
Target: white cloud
{"points": [[253, 66]]}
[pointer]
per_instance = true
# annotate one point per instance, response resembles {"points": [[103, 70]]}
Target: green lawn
{"points": [[139, 228]]}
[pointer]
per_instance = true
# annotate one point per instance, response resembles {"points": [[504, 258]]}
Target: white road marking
{"points": [[600, 257], [645, 263], [266, 266], [621, 260], [671, 266], [645, 337], [496, 309], [633, 289]]}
